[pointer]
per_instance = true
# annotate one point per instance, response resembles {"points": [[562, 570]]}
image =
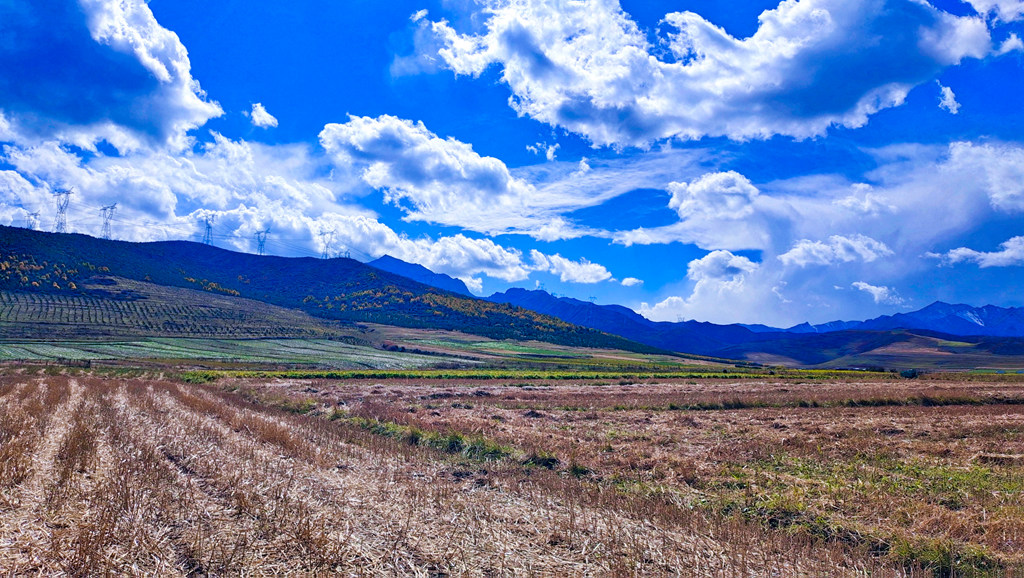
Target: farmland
{"points": [[922, 473], [114, 307], [145, 476], [410, 473], [263, 352]]}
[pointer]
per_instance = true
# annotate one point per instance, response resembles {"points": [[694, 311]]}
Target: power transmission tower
{"points": [[63, 198], [32, 220], [208, 236], [108, 214], [261, 242], [325, 239]]}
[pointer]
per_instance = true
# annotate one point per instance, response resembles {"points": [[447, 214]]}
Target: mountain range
{"points": [[81, 271], [941, 334]]}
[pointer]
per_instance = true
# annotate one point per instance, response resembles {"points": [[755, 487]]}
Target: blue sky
{"points": [[722, 161]]}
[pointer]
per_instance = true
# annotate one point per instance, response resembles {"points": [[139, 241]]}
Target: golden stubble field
{"points": [[153, 477]]}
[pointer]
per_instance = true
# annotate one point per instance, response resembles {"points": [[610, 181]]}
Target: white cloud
{"points": [[245, 187], [719, 282], [727, 195], [1005, 10], [1011, 253], [999, 167], [548, 150], [947, 100], [720, 266], [93, 92], [1012, 43], [582, 168], [582, 271], [632, 282], [865, 202], [587, 67], [445, 181], [260, 117], [419, 15], [838, 249], [882, 295], [721, 210]]}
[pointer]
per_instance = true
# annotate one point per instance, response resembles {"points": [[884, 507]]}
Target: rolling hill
{"points": [[330, 289], [114, 307]]}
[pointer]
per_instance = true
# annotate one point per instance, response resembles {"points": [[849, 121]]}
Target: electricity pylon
{"points": [[63, 199], [325, 239], [108, 214], [208, 236], [32, 220], [261, 242]]}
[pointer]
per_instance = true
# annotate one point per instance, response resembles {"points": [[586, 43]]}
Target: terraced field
{"points": [[116, 307], [115, 477]]}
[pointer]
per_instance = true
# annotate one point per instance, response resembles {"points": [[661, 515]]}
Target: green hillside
{"points": [[333, 289], [104, 306]]}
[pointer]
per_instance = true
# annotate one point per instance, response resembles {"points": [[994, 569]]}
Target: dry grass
{"points": [[147, 477], [924, 473]]}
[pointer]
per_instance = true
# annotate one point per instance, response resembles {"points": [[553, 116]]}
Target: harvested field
{"points": [[135, 476], [916, 473]]}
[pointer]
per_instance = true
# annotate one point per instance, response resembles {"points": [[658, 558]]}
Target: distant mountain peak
{"points": [[419, 273]]}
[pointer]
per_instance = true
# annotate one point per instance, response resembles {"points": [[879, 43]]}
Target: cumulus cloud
{"points": [[1012, 43], [260, 117], [721, 210], [1010, 253], [631, 282], [582, 271], [864, 201], [838, 249], [120, 76], [881, 295], [245, 188], [445, 181], [587, 66], [442, 180], [728, 195], [721, 267], [1005, 10], [718, 278], [947, 100]]}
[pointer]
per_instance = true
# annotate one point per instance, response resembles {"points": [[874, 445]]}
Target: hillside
{"points": [[332, 289], [104, 306]]}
